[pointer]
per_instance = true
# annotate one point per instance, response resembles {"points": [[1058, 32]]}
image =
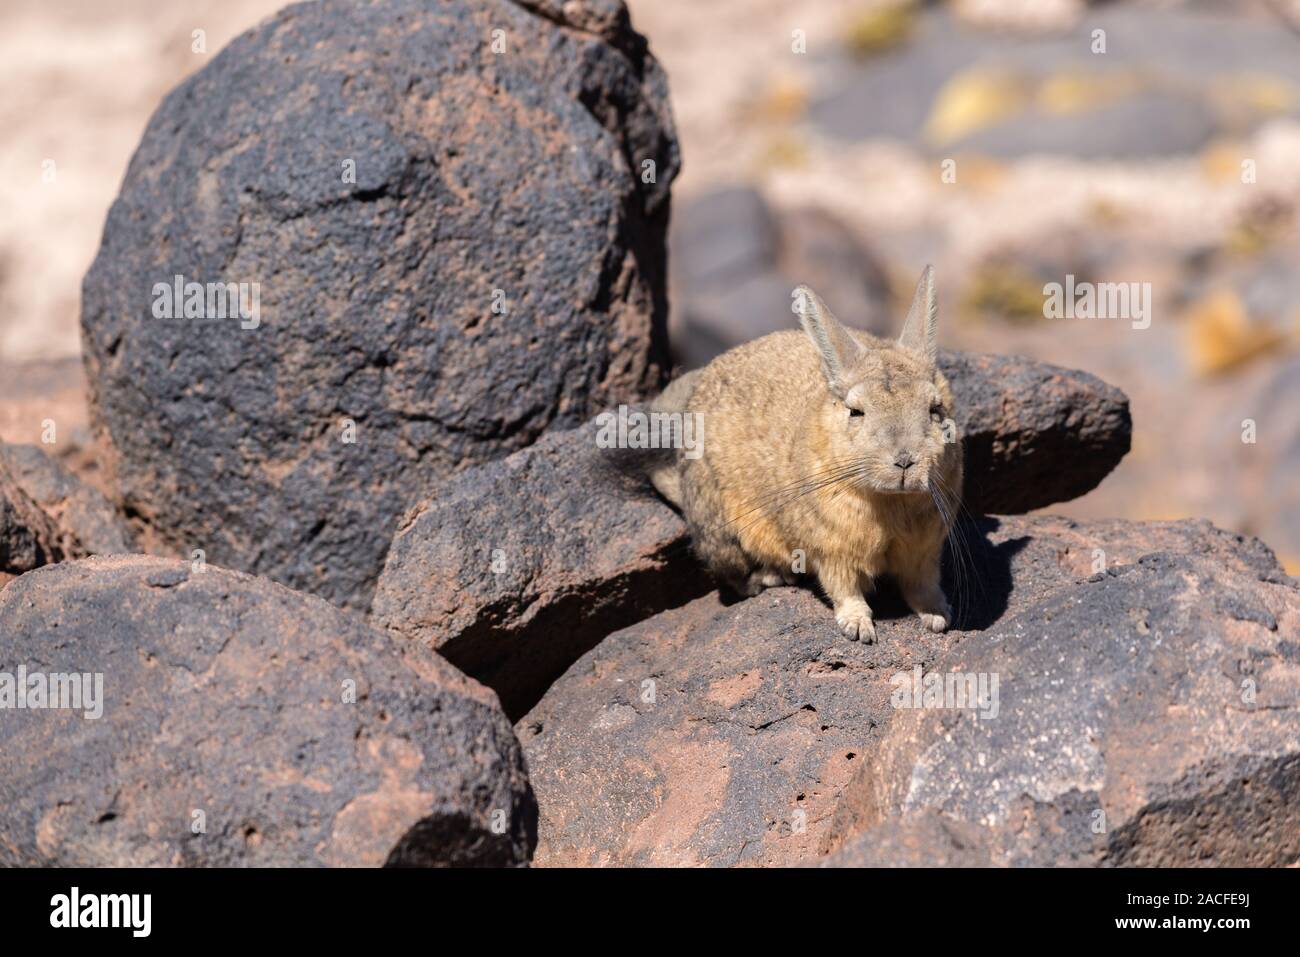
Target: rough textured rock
{"points": [[295, 735], [723, 735], [1033, 433], [1148, 717], [28, 537], [86, 520], [475, 171], [517, 567]]}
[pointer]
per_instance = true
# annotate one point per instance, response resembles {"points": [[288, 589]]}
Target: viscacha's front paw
{"points": [[934, 622], [855, 620]]}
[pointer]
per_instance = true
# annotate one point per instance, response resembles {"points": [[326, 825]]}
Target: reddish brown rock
{"points": [[1150, 716], [243, 724], [724, 735]]}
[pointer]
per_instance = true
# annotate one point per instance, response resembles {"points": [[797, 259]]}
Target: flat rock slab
{"points": [[1148, 717], [454, 249], [88, 523], [241, 723], [724, 735]]}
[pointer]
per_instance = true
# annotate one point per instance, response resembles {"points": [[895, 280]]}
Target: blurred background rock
{"points": [[1171, 158]]}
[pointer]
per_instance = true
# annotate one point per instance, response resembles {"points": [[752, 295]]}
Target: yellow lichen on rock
{"points": [[1221, 335], [879, 27], [973, 100]]}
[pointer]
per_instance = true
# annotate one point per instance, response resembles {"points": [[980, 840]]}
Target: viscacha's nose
{"points": [[903, 460]]}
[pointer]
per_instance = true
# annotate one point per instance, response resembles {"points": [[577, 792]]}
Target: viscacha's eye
{"points": [[853, 413]]}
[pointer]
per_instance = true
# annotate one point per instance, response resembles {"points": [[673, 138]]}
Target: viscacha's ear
{"points": [[919, 331], [838, 350]]}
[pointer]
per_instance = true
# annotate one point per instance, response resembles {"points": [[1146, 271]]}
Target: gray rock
{"points": [[723, 236], [87, 521], [1033, 433], [1148, 717], [1151, 123], [242, 724], [474, 172]]}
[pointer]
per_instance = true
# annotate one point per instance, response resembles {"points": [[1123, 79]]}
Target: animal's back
{"points": [[755, 399], [750, 399]]}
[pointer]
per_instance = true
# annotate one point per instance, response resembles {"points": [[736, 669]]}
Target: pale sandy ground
{"points": [[81, 78]]}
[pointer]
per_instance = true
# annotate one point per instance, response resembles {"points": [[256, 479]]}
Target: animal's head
{"points": [[887, 408]]}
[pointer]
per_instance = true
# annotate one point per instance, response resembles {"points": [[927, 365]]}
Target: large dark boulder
{"points": [[723, 734], [242, 723], [534, 180], [1147, 717]]}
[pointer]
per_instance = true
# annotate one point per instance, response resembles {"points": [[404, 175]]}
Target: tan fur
{"points": [[776, 417]]}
